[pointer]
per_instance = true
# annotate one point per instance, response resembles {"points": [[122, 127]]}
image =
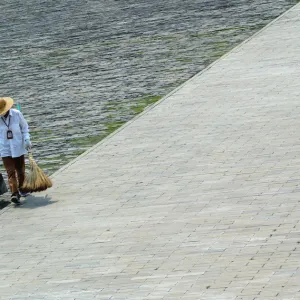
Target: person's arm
{"points": [[25, 131]]}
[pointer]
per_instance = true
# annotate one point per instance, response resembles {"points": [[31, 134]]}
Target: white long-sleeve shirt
{"points": [[13, 147]]}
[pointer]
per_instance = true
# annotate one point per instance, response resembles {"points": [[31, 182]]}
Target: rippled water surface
{"points": [[81, 68]]}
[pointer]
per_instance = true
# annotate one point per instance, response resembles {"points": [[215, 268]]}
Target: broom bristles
{"points": [[36, 180]]}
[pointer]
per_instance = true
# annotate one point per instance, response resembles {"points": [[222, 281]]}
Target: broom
{"points": [[36, 180]]}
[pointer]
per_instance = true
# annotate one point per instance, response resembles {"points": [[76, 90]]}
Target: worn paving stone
{"points": [[198, 198]]}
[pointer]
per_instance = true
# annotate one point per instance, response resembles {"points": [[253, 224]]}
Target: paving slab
{"points": [[197, 198]]}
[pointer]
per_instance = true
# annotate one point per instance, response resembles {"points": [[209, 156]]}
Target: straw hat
{"points": [[5, 104]]}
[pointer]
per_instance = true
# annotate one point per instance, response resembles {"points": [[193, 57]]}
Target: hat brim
{"points": [[9, 103]]}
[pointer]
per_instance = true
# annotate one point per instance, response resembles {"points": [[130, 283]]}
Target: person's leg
{"points": [[20, 169], [9, 164]]}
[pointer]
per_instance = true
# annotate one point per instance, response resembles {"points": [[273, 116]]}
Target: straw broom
{"points": [[36, 180]]}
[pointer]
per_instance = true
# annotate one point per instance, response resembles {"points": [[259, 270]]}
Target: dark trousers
{"points": [[15, 168]]}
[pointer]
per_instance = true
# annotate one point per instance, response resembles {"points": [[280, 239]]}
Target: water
{"points": [[81, 68]]}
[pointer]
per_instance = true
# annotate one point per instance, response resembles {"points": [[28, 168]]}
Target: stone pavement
{"points": [[198, 198]]}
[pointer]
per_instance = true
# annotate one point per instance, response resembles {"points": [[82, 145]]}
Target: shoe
{"points": [[15, 198], [23, 194]]}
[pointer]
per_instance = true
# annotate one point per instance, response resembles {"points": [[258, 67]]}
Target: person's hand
{"points": [[27, 144]]}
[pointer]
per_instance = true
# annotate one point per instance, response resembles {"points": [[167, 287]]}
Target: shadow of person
{"points": [[32, 202]]}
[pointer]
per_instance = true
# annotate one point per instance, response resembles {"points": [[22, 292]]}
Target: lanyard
{"points": [[7, 125]]}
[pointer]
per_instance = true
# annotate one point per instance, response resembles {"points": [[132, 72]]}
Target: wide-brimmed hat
{"points": [[5, 104]]}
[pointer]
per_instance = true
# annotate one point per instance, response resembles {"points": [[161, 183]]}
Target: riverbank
{"points": [[197, 198], [79, 80]]}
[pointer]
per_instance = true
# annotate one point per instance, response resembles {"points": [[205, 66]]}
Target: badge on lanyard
{"points": [[9, 133]]}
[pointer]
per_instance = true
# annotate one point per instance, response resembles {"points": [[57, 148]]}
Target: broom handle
{"points": [[29, 152]]}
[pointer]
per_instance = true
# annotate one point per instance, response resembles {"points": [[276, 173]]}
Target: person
{"points": [[14, 144]]}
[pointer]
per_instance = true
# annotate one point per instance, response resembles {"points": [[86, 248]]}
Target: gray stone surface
{"points": [[198, 198]]}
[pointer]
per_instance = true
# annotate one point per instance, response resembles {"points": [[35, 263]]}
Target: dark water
{"points": [[81, 68]]}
